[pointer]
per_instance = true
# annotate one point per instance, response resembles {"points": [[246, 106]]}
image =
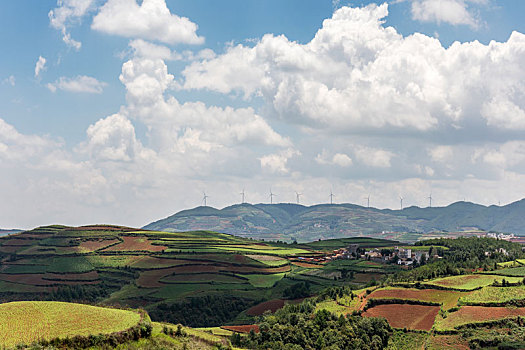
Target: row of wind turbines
{"points": [[298, 197]]}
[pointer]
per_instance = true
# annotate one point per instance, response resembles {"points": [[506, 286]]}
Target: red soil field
{"points": [[470, 314], [87, 276], [404, 315], [93, 245], [132, 243], [37, 280], [242, 329], [307, 265], [9, 249], [150, 262], [150, 278], [17, 242], [272, 305]]}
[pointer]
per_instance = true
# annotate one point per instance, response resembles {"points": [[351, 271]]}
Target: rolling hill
{"points": [[296, 222], [198, 278]]}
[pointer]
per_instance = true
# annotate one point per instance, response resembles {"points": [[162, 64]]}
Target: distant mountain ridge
{"points": [[5, 232], [286, 220]]}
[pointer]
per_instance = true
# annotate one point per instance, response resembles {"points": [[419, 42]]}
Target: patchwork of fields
{"points": [[149, 269]]}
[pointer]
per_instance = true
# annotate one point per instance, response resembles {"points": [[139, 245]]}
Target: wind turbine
{"points": [[204, 198], [271, 196], [242, 194], [331, 197], [368, 201], [430, 200], [297, 195], [401, 199]]}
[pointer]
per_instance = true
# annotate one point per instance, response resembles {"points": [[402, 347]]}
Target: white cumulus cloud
{"points": [[357, 75], [455, 12], [67, 13], [151, 20]]}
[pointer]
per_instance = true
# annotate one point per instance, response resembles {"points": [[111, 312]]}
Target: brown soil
{"points": [[272, 305], [132, 243], [419, 317], [242, 329]]}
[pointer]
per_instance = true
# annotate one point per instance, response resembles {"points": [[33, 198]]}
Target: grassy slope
{"points": [[28, 321]]}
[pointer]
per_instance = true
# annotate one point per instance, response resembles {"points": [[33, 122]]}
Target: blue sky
{"points": [[129, 121]]}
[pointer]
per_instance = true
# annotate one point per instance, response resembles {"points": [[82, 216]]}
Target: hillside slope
{"points": [[292, 221]]}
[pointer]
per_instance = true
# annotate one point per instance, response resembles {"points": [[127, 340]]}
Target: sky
{"points": [[127, 111]]}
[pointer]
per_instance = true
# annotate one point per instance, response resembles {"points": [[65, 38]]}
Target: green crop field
{"points": [[511, 271], [264, 281], [333, 307], [470, 282], [494, 295], [28, 321]]}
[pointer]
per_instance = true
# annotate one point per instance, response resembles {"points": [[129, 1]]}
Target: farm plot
{"points": [[470, 282], [47, 320], [494, 295], [135, 243], [202, 278], [150, 262], [94, 244], [447, 298], [367, 277], [333, 307], [269, 260], [40, 280], [271, 305], [87, 276], [75, 264], [476, 314], [242, 329], [306, 265], [420, 317], [112, 261], [263, 249], [512, 271], [263, 281]]}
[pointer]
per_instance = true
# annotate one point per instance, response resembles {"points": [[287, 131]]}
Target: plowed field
{"points": [[404, 315], [473, 314]]}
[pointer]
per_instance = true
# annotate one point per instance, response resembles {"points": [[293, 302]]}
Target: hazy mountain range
{"points": [[293, 221]]}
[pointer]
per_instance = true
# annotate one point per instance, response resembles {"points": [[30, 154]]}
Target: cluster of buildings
{"points": [[399, 255], [506, 237]]}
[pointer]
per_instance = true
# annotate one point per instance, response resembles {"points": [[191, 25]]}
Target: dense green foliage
{"points": [[463, 256], [201, 311], [299, 327]]}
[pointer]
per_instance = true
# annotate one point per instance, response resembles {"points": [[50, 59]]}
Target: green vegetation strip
{"points": [[30, 321]]}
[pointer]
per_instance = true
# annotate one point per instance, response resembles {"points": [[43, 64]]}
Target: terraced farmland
{"points": [[149, 269]]}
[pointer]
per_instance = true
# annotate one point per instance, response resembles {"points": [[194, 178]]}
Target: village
{"points": [[393, 255]]}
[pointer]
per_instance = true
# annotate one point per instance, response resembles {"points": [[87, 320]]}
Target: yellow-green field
{"points": [[491, 294], [470, 282], [29, 321]]}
